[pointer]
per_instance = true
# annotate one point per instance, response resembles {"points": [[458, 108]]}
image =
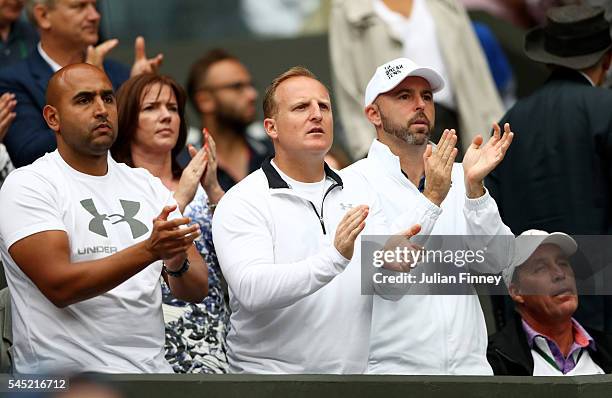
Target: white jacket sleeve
{"points": [[243, 240], [485, 228], [425, 214]]}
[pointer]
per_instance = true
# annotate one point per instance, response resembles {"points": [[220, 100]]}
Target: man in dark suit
{"points": [[68, 32], [557, 174]]}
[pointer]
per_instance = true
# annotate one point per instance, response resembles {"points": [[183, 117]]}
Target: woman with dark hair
{"points": [[152, 133]]}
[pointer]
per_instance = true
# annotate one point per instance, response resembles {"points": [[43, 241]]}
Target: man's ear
{"points": [[52, 117], [204, 102], [373, 114], [515, 293], [270, 127], [41, 16], [607, 61]]}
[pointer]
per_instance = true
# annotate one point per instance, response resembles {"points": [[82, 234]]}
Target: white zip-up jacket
{"points": [[430, 334], [296, 301]]}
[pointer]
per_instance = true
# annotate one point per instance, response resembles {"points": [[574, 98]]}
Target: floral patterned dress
{"points": [[195, 333]]}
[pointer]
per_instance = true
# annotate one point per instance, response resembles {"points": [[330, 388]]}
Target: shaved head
{"points": [[82, 111], [67, 77]]}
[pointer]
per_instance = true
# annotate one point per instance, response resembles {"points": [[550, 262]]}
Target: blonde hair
{"points": [[269, 103]]}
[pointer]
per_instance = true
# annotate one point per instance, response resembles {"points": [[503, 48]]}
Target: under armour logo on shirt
{"points": [[346, 206], [130, 209]]}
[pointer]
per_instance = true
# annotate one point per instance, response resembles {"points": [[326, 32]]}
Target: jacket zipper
{"points": [[320, 216]]}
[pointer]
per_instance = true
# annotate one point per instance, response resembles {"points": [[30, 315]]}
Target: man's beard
{"points": [[231, 119], [403, 131]]}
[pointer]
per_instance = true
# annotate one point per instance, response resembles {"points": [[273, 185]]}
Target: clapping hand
{"points": [[7, 114], [95, 55], [209, 179], [439, 166], [190, 178], [171, 238], [142, 64], [401, 241], [480, 160]]}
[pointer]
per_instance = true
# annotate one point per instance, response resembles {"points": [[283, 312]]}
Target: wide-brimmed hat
{"points": [[575, 36]]}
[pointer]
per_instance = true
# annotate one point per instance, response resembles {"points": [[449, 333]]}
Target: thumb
{"points": [[192, 150], [477, 141], [428, 152], [163, 216], [89, 58], [410, 232], [107, 46], [139, 48], [205, 137]]}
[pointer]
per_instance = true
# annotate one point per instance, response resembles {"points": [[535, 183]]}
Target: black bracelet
{"points": [[180, 272]]}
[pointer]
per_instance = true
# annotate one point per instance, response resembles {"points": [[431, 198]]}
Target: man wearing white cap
{"points": [[543, 339], [425, 334]]}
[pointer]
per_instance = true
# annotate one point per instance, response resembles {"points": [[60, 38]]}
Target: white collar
{"points": [[587, 77], [381, 155], [54, 65]]}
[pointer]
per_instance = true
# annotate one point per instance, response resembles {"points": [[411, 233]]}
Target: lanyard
{"points": [[551, 361]]}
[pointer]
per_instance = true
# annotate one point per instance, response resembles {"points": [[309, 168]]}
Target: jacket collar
{"points": [[514, 347], [41, 72], [275, 181], [388, 163], [514, 344], [358, 11], [569, 74]]}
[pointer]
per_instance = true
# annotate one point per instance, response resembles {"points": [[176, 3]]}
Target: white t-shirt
{"points": [[311, 191], [119, 331]]}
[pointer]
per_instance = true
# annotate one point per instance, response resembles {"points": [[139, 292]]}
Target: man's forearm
{"points": [[89, 279], [64, 282], [191, 286]]}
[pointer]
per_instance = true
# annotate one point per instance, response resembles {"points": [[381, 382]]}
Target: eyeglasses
{"points": [[237, 86]]}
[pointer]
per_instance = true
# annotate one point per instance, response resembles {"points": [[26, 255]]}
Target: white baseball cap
{"points": [[389, 75], [527, 243]]}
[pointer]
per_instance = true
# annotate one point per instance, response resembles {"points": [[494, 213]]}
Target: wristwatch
{"points": [[179, 272]]}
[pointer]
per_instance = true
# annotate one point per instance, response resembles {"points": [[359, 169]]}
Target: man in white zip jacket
{"points": [[428, 334], [285, 238]]}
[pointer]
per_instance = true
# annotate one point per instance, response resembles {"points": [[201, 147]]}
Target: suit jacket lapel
{"points": [[41, 73]]}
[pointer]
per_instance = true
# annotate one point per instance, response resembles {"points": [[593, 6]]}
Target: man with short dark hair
{"points": [[221, 89], [543, 339], [411, 174], [82, 240], [68, 33]]}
